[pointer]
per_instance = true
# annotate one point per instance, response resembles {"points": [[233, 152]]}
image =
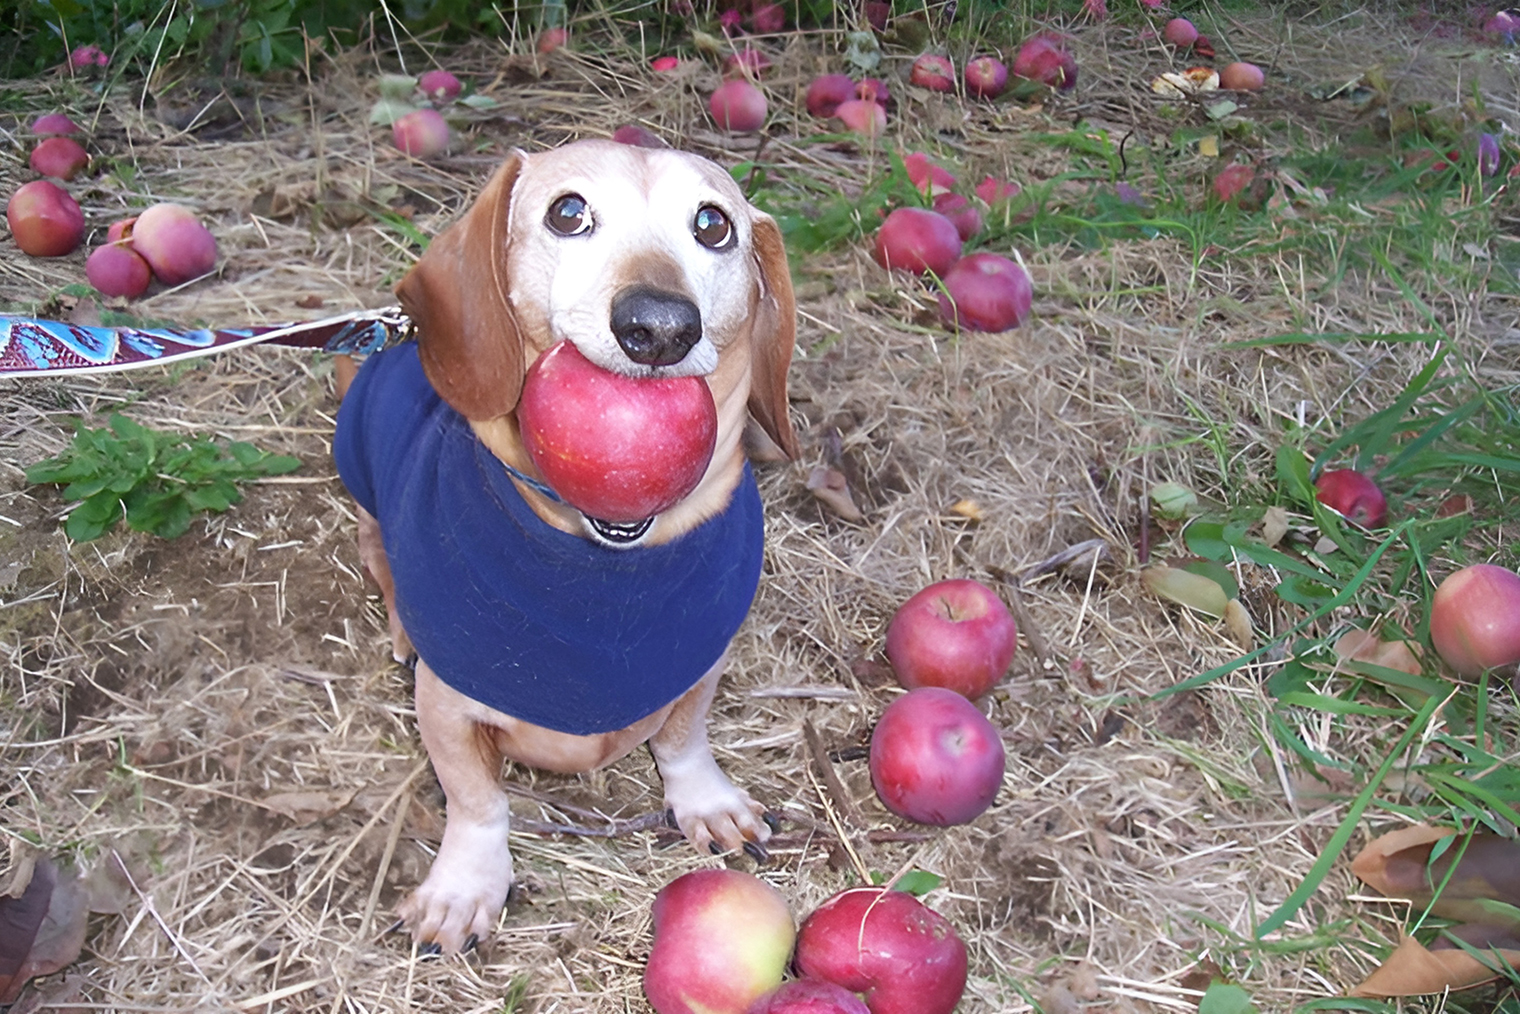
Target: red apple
{"points": [[551, 39], [738, 106], [925, 175], [986, 292], [904, 957], [1475, 618], [986, 77], [935, 758], [174, 243], [917, 240], [1180, 32], [993, 190], [121, 229], [1353, 496], [967, 219], [827, 91], [750, 63], [664, 64], [45, 221], [721, 941], [810, 996], [422, 133], [638, 137], [1044, 58], [1232, 181], [877, 13], [862, 117], [54, 123], [117, 270], [954, 634], [439, 86], [934, 72], [1242, 77], [59, 157], [619, 449], [85, 57], [874, 89], [768, 19]]}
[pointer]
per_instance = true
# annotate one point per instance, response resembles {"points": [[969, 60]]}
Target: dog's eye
{"points": [[569, 215], [712, 228]]}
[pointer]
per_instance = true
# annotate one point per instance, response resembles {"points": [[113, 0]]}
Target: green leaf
{"points": [[1225, 998], [917, 882], [1290, 678], [1301, 591], [93, 518]]}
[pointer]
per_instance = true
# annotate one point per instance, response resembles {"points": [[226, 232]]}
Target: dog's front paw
{"points": [[713, 813], [464, 891]]}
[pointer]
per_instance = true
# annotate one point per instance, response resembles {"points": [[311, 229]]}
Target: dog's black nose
{"points": [[655, 328]]}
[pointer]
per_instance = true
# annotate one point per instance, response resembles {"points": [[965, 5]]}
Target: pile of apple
{"points": [[166, 241], [1475, 614], [722, 940], [980, 291]]}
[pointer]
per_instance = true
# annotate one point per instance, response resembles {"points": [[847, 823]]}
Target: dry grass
{"points": [[162, 701]]}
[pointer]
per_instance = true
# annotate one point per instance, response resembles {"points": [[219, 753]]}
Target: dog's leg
{"points": [[372, 556], [467, 887], [707, 806]]}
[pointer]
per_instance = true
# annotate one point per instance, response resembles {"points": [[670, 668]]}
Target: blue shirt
{"points": [[545, 626]]}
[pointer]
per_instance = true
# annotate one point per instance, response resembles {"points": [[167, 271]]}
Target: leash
{"points": [[30, 346]]}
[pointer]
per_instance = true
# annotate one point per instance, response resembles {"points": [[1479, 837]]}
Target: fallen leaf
{"points": [[1274, 525], [1059, 999], [1412, 970], [1364, 646], [1185, 588], [968, 509], [1208, 146], [833, 490], [1225, 998], [42, 931], [1399, 865], [1238, 622], [1172, 500], [308, 806]]}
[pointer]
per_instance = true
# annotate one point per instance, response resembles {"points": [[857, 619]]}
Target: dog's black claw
{"points": [[715, 848], [430, 950], [757, 852], [470, 943], [772, 820], [393, 927], [670, 820]]}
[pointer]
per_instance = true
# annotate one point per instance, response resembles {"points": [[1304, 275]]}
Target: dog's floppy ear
{"points": [[774, 335], [457, 295]]}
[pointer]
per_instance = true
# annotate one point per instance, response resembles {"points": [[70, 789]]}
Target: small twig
{"points": [[1037, 642], [153, 913], [1097, 547], [614, 828], [826, 771]]}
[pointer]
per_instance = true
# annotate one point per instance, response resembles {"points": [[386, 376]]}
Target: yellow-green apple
{"points": [[903, 957], [1475, 618], [721, 942], [954, 634], [810, 996], [45, 221], [1353, 496], [616, 448], [935, 758]]}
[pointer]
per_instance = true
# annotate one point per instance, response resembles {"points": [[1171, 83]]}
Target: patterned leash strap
{"points": [[29, 347]]}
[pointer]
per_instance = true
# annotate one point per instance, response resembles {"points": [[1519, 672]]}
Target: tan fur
{"points": [[493, 292]]}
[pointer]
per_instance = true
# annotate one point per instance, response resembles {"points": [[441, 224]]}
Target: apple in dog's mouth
{"points": [[618, 449]]}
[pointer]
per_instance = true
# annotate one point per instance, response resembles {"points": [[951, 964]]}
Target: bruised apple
{"points": [[616, 448], [903, 957], [810, 996], [934, 72], [917, 240], [59, 157], [117, 270], [174, 243], [954, 634], [929, 178], [721, 942], [1475, 618], [739, 106], [986, 292], [826, 93], [44, 220], [1353, 496], [986, 77], [935, 758]]}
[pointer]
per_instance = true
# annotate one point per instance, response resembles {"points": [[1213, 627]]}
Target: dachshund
{"points": [[542, 635]]}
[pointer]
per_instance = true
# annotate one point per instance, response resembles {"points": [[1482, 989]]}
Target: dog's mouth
{"points": [[620, 533]]}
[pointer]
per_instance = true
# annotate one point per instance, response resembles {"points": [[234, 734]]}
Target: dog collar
{"points": [[537, 485]]}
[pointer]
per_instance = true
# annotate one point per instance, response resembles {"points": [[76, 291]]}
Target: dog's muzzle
{"points": [[619, 534], [654, 327]]}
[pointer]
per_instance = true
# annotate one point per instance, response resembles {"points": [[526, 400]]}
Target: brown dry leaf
{"points": [[42, 931], [1364, 646], [307, 806], [1238, 622], [1059, 999], [968, 509], [1398, 865], [831, 487], [1185, 588], [1274, 525], [1412, 970]]}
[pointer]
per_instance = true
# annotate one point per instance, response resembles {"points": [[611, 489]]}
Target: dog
{"points": [[542, 635]]}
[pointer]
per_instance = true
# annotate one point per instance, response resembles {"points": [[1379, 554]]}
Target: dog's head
{"points": [[650, 260]]}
